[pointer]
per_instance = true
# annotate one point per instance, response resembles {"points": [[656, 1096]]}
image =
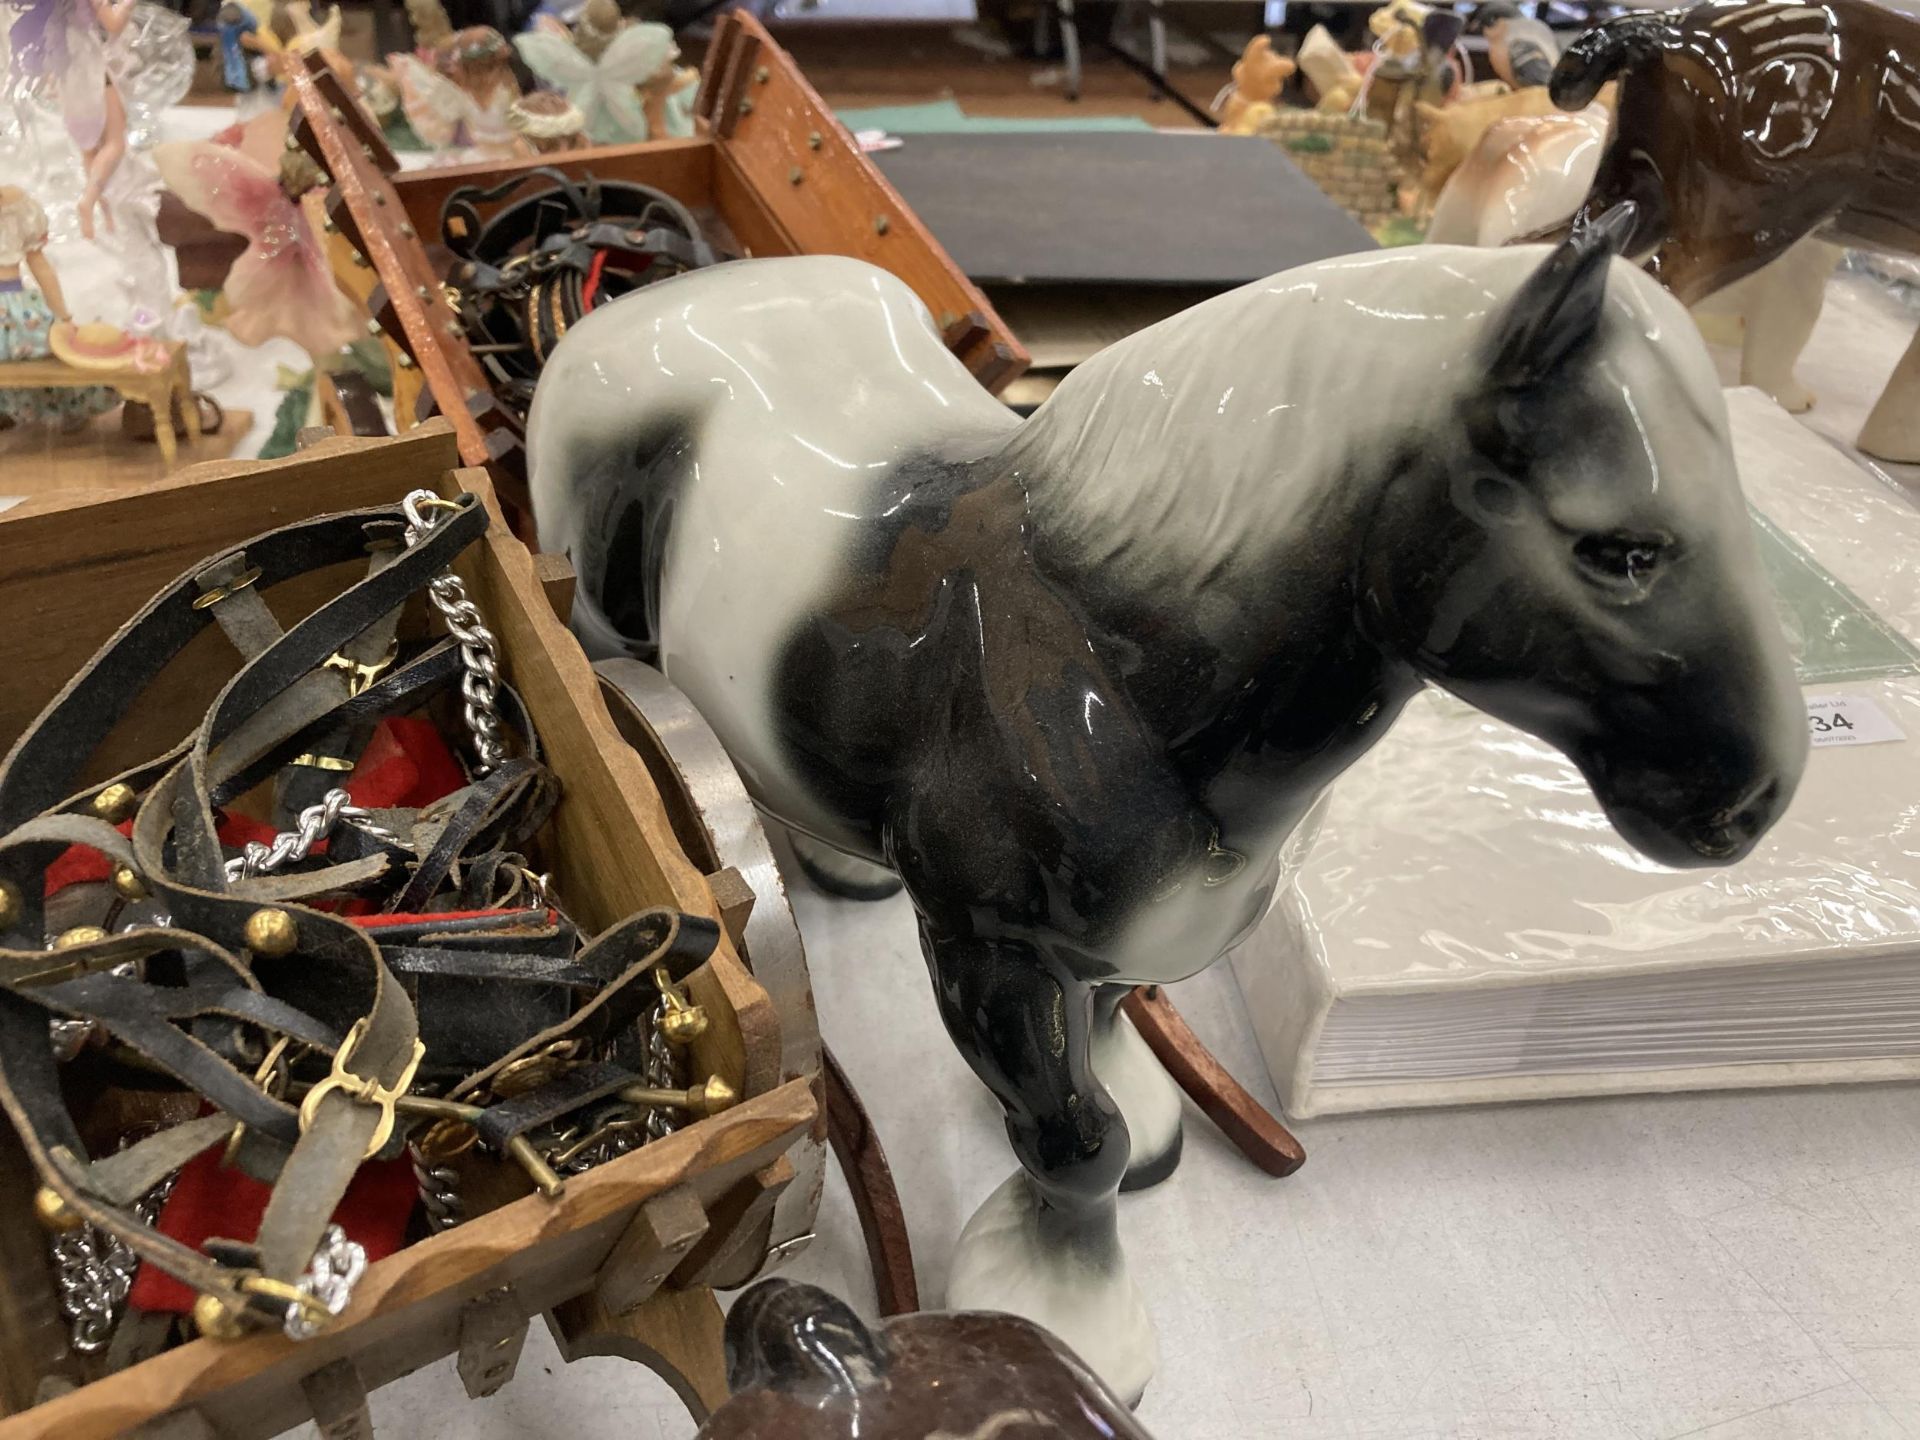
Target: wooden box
{"points": [[688, 1210], [771, 172]]}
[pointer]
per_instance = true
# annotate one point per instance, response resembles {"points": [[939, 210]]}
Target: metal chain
{"points": [[479, 651], [312, 825], [439, 1192], [94, 1271], [335, 1269], [666, 1070]]}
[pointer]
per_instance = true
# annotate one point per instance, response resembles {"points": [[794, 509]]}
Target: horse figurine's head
{"points": [[1573, 556]]}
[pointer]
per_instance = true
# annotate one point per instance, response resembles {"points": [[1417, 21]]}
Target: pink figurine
{"points": [[247, 183]]}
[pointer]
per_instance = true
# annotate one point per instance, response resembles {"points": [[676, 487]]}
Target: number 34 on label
{"points": [[1849, 720]]}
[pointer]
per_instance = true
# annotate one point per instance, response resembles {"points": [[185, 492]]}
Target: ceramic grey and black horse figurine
{"points": [[1076, 677]]}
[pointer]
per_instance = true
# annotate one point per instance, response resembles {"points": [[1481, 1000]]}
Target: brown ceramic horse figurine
{"points": [[1743, 127]]}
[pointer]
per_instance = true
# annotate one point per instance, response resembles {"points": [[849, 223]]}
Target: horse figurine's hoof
{"points": [[1064, 1272]]}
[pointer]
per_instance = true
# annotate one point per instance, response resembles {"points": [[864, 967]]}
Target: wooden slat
{"points": [[682, 168], [422, 320], [827, 196]]}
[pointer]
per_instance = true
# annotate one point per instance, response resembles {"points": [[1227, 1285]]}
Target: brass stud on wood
{"points": [[361, 260], [329, 227], [403, 360], [373, 327], [746, 107], [271, 931], [53, 1212], [114, 803], [77, 936], [129, 884], [794, 175], [881, 224], [813, 140], [762, 75], [406, 230]]}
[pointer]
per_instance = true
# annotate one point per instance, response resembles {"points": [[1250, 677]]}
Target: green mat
{"points": [[945, 117]]}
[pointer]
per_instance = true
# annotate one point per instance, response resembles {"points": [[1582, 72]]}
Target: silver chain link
{"points": [[330, 1277], [94, 1271], [312, 825], [479, 651]]}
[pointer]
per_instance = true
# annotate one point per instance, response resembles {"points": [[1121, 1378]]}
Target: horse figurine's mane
{"points": [[1250, 418]]}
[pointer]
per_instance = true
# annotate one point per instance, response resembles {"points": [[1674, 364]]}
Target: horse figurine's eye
{"points": [[1619, 559]]}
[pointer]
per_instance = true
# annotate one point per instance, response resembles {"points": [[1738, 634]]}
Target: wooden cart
{"points": [[620, 1263], [771, 172]]}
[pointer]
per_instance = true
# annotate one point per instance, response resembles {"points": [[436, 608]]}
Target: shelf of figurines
{"points": [[1424, 141], [493, 971]]}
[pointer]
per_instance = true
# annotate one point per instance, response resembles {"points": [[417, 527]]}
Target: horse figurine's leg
{"points": [[1139, 1085], [1782, 308], [1046, 1244]]}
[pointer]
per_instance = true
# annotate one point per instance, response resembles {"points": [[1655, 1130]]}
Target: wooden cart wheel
{"points": [[719, 828]]}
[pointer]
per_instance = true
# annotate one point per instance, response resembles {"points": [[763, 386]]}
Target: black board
{"points": [[1129, 208]]}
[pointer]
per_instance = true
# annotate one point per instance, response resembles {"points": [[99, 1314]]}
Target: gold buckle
{"points": [[360, 676], [311, 1305], [360, 1087], [232, 587]]}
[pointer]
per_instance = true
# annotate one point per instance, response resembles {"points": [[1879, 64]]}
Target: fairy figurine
{"points": [[112, 66], [28, 314], [248, 183]]}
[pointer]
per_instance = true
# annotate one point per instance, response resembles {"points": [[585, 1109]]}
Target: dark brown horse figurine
{"points": [[1745, 125], [803, 1367]]}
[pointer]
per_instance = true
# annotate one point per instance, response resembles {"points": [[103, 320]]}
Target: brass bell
{"points": [[53, 1212], [271, 931], [127, 881], [9, 902], [79, 935]]}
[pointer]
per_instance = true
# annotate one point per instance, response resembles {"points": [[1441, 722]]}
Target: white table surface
{"points": [[1740, 1267]]}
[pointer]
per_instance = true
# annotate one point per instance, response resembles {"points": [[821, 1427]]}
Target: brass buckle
{"points": [[360, 676], [310, 1305], [232, 587], [360, 1087]]}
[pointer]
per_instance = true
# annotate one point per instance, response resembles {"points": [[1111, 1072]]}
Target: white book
{"points": [[1460, 923]]}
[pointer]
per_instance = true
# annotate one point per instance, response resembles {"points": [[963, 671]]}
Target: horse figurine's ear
{"points": [[1560, 305]]}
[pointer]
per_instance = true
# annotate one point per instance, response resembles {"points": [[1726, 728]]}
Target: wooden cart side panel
{"points": [[775, 130], [682, 168], [418, 316], [610, 794], [406, 1309]]}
